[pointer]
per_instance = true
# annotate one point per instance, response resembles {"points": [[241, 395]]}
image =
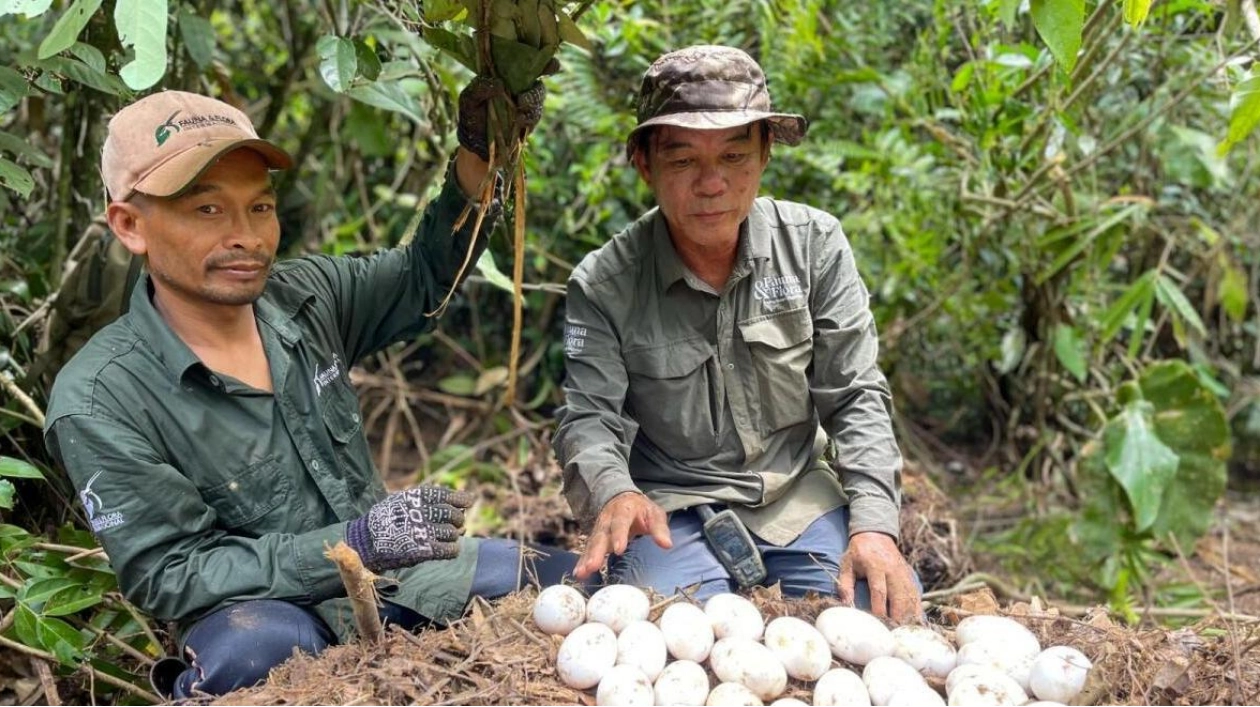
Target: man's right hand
{"points": [[410, 527], [627, 516]]}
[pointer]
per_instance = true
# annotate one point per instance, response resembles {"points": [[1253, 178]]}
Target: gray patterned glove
{"points": [[410, 527], [473, 128]]}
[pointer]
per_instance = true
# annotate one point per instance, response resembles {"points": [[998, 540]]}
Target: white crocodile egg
{"points": [[559, 609], [841, 687], [624, 685], [788, 702], [854, 635], [1012, 659], [989, 690], [641, 644], [734, 615], [682, 682], [916, 696], [589, 651], [885, 674], [743, 660], [928, 651], [1003, 629], [1058, 674], [687, 630], [732, 693], [617, 605], [966, 671], [799, 646]]}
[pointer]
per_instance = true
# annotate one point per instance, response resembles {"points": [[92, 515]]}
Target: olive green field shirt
{"points": [[766, 396], [205, 491]]}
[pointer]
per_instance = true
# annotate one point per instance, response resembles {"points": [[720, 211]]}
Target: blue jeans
{"points": [[808, 564], [238, 645]]}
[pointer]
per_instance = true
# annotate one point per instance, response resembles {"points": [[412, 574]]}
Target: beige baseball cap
{"points": [[160, 144]]}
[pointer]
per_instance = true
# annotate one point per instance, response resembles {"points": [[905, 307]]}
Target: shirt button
{"points": [[233, 485], [315, 465], [730, 366], [355, 417]]}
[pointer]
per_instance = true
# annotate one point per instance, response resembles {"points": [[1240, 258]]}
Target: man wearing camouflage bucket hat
{"points": [[721, 354]]}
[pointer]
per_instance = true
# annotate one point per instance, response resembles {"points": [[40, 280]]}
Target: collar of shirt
{"points": [[754, 244], [277, 308]]}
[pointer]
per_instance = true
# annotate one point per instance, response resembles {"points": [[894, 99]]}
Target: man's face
{"points": [[215, 243], [705, 181]]}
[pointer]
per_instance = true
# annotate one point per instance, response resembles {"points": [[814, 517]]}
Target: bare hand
{"points": [[625, 517], [875, 557]]}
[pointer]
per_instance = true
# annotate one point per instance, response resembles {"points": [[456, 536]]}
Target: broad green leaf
{"points": [[571, 33], [13, 88], [490, 270], [66, 32], [1070, 351], [1060, 24], [60, 638], [18, 469], [1244, 113], [458, 46], [1135, 11], [963, 77], [369, 64], [78, 71], [141, 25], [1073, 251], [89, 55], [1007, 10], [72, 600], [25, 624], [13, 531], [26, 8], [462, 385], [391, 96], [1139, 461], [16, 178], [490, 379], [1232, 291], [1171, 296], [337, 62], [1014, 343], [48, 82], [198, 36], [442, 10], [519, 65], [1141, 291], [6, 495], [39, 591]]}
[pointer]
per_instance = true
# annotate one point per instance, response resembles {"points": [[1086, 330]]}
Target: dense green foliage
{"points": [[1053, 208]]}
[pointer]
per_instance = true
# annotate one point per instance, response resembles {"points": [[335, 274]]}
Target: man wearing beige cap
{"points": [[212, 431], [721, 356]]}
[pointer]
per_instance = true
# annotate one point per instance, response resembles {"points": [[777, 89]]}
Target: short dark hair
{"points": [[643, 139]]}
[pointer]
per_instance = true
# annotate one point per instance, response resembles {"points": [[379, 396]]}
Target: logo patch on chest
{"points": [[772, 290], [328, 375]]}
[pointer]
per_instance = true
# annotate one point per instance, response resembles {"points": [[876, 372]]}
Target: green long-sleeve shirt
{"points": [[691, 395], [205, 491]]}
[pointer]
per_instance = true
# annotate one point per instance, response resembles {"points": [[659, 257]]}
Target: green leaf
{"points": [[89, 55], [1139, 461], [36, 593], [16, 178], [1070, 351], [26, 8], [519, 65], [1007, 10], [391, 96], [48, 82], [1142, 291], [18, 469], [1135, 11], [76, 70], [142, 25], [442, 10], [1060, 23], [13, 88], [369, 63], [460, 46], [72, 600], [6, 495], [337, 62], [571, 33], [1171, 296], [60, 638], [66, 32], [25, 623], [1232, 291], [198, 36], [490, 270], [461, 385], [1244, 113]]}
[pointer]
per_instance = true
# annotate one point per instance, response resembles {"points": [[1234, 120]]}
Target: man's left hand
{"points": [[874, 557]]}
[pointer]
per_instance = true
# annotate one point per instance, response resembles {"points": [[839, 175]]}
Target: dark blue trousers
{"points": [[237, 646]]}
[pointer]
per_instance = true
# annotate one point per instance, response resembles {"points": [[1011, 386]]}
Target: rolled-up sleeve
{"points": [[849, 390], [593, 435]]}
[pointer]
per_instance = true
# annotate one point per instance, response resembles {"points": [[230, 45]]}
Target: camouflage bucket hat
{"points": [[710, 88]]}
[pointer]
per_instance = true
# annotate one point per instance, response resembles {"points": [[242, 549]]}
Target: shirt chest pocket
{"points": [[671, 396], [247, 498], [339, 406], [781, 348]]}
